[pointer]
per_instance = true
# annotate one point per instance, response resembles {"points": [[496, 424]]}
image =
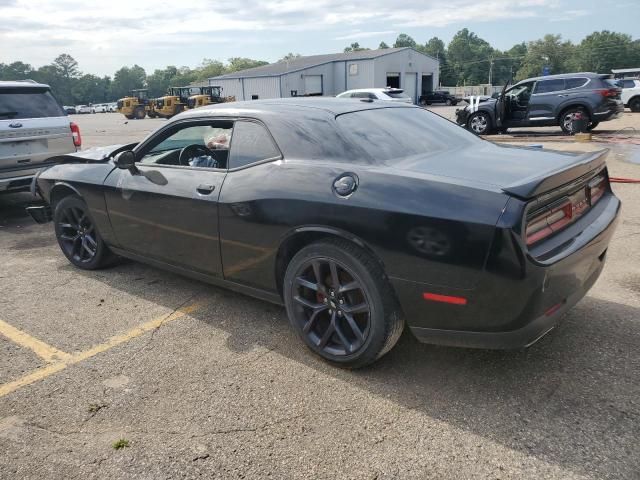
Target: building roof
{"points": [[301, 63]]}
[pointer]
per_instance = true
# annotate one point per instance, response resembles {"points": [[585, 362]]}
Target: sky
{"points": [[103, 36]]}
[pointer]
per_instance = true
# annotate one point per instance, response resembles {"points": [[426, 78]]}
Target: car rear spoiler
{"points": [[538, 184]]}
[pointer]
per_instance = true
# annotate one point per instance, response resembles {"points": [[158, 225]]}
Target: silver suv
{"points": [[33, 128]]}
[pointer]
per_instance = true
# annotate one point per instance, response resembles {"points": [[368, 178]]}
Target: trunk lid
{"points": [[519, 171]]}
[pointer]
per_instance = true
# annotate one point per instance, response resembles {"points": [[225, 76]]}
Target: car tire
{"points": [[130, 117], [423, 102], [479, 123], [351, 325], [78, 236], [139, 113], [634, 104], [448, 102], [566, 118]]}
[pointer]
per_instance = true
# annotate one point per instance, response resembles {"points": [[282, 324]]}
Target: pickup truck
{"points": [[438, 96]]}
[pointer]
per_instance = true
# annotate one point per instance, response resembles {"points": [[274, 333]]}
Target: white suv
{"points": [[388, 94], [33, 128], [630, 93]]}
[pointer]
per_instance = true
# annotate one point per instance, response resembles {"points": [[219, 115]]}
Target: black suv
{"points": [[439, 96], [546, 101]]}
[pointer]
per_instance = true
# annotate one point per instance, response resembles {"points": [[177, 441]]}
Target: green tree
{"points": [[383, 46], [16, 71], [404, 40], [469, 58], [67, 66], [602, 51], [289, 56], [355, 47], [209, 68], [241, 63], [549, 51], [90, 89], [127, 79]]}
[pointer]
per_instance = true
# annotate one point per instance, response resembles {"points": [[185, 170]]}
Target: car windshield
{"points": [[397, 94], [16, 103], [392, 134]]}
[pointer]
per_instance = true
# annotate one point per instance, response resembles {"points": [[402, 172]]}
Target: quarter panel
{"points": [[428, 231], [87, 179]]}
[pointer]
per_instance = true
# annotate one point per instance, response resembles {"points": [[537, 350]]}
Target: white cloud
{"points": [[104, 35], [360, 34]]}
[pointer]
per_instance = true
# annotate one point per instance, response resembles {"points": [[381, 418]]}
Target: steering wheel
{"points": [[191, 151]]}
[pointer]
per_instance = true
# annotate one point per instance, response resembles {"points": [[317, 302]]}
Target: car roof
{"points": [[22, 83], [566, 75], [308, 105]]}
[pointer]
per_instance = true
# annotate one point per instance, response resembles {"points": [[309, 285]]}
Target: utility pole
{"points": [[491, 72]]}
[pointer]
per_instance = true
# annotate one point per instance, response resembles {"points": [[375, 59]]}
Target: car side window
{"points": [[628, 84], [548, 86], [570, 83], [251, 143], [201, 145]]}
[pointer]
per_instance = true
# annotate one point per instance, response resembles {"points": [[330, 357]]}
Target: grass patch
{"points": [[120, 444]]}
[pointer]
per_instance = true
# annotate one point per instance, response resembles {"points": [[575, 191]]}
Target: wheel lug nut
{"points": [[341, 302]]}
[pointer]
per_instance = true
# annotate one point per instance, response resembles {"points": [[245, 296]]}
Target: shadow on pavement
{"points": [[571, 399]]}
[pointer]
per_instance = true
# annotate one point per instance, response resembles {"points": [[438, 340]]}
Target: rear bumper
{"points": [[518, 299], [520, 338], [40, 213], [16, 184], [609, 113]]}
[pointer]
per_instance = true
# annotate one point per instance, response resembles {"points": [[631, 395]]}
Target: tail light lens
{"points": [[549, 221], [565, 211], [609, 92], [597, 187], [75, 133]]}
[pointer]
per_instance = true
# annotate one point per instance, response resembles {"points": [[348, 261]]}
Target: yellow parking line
{"points": [[64, 362], [44, 351]]}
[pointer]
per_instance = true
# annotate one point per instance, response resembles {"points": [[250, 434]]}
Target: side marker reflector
{"points": [[434, 297]]}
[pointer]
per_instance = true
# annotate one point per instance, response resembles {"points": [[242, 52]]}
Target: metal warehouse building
{"points": [[331, 74]]}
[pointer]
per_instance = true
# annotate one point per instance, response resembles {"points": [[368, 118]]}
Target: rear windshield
{"points": [[389, 134], [397, 94], [28, 103], [612, 82]]}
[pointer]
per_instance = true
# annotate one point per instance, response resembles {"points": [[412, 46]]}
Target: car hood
{"points": [[483, 99], [94, 154], [520, 171]]}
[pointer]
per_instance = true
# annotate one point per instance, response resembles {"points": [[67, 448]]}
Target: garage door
{"points": [[410, 83], [313, 85]]}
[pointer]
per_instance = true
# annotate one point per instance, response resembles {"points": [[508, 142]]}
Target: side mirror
{"points": [[126, 161]]}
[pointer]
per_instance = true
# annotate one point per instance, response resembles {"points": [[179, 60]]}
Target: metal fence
{"points": [[472, 90]]}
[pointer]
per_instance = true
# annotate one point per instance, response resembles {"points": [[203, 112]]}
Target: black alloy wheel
{"points": [[340, 304], [77, 235], [332, 307]]}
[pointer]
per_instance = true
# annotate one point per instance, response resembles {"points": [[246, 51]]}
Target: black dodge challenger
{"points": [[356, 215]]}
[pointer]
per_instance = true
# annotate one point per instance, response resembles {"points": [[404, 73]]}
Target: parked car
{"points": [[546, 101], [388, 94], [33, 128], [439, 96], [83, 109], [112, 107], [99, 108], [630, 93], [401, 216], [69, 109]]}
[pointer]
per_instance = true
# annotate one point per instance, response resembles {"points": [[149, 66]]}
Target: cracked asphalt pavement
{"points": [[206, 383]]}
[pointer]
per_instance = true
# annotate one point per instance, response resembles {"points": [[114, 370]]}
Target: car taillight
{"points": [[75, 133], [597, 187], [548, 222], [609, 92]]}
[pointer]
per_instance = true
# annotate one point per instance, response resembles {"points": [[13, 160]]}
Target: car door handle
{"points": [[205, 189], [560, 95]]}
